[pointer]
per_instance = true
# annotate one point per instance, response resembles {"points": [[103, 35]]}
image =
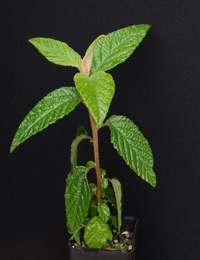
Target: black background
{"points": [[158, 87]]}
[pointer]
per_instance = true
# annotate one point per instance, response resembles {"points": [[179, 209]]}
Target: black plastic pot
{"points": [[87, 253]]}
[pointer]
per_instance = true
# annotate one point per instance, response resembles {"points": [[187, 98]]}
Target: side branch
{"points": [[105, 124]]}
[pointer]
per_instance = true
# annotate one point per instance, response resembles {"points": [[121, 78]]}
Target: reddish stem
{"points": [[96, 156]]}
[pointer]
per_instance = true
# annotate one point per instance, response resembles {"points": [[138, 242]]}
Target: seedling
{"points": [[87, 204]]}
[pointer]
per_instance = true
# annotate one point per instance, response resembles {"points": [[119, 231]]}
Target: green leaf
{"points": [[104, 212], [103, 172], [107, 193], [77, 236], [113, 202], [77, 198], [74, 149], [93, 208], [92, 187], [133, 147], [104, 183], [96, 233], [86, 220], [97, 92], [57, 52], [81, 131], [118, 195], [89, 164], [51, 108], [87, 60], [114, 221], [117, 46]]}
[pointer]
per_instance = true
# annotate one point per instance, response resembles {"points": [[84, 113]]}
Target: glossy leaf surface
{"points": [[97, 92], [97, 233], [93, 208], [77, 198], [133, 147], [107, 193], [57, 52], [104, 183], [54, 106], [118, 195], [117, 46], [104, 212]]}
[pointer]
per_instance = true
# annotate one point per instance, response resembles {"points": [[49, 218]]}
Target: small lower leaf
{"points": [[114, 221], [96, 233], [107, 193], [77, 236], [104, 183], [104, 212], [93, 208], [113, 202]]}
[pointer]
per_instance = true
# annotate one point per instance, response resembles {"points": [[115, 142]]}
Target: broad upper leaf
{"points": [[97, 92], [57, 52], [77, 198], [51, 108], [104, 212], [117, 46], [96, 233], [133, 147], [118, 195]]}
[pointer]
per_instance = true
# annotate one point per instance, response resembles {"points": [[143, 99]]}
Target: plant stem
{"points": [[96, 155]]}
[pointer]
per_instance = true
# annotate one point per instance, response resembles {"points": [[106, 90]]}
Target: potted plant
{"points": [[89, 219]]}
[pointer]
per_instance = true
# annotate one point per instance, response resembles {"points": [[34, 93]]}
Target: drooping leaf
{"points": [[104, 183], [77, 198], [107, 193], [133, 147], [74, 149], [97, 92], [87, 60], [117, 46], [118, 195], [54, 106], [114, 221], [104, 212], [96, 233], [57, 52]]}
